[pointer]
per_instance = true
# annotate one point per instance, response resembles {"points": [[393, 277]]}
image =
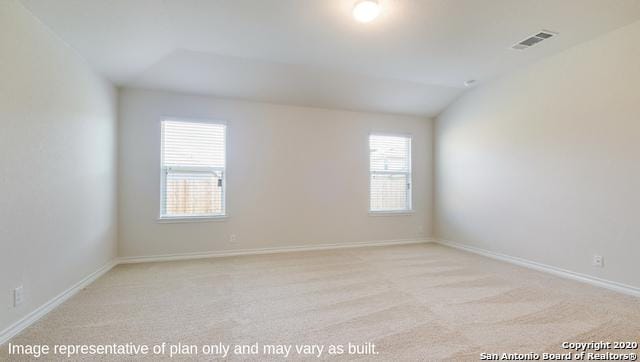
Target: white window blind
{"points": [[390, 173], [193, 169]]}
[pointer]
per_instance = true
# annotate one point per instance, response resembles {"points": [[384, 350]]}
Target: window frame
{"points": [[409, 210], [195, 218]]}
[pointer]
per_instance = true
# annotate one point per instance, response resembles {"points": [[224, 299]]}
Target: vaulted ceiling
{"points": [[413, 59]]}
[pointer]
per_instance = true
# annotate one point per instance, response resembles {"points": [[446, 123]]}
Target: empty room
{"points": [[252, 180]]}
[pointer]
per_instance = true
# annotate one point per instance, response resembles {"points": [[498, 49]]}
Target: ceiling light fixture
{"points": [[366, 10]]}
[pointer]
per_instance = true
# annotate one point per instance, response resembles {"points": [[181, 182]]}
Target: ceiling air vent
{"points": [[533, 40]]}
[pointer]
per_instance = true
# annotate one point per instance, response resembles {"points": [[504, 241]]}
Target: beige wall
{"points": [[545, 164], [57, 165], [296, 176]]}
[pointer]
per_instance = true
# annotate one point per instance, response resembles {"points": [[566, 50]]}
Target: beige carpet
{"points": [[414, 302]]}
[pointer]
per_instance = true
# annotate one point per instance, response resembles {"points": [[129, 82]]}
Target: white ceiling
{"points": [[413, 59]]}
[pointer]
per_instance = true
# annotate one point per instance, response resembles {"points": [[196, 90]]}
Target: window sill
{"points": [[172, 220], [392, 213]]}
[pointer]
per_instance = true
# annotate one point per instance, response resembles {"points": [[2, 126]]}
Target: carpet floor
{"points": [[414, 302]]}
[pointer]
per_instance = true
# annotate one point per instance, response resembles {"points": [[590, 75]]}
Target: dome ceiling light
{"points": [[365, 11]]}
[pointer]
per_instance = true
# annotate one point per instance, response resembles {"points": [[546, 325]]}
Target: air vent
{"points": [[533, 40]]}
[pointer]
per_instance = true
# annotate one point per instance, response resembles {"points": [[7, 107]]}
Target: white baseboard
{"points": [[274, 250], [32, 317], [608, 284], [39, 312]]}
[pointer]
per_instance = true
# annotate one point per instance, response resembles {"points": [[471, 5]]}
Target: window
{"points": [[389, 173], [193, 170]]}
